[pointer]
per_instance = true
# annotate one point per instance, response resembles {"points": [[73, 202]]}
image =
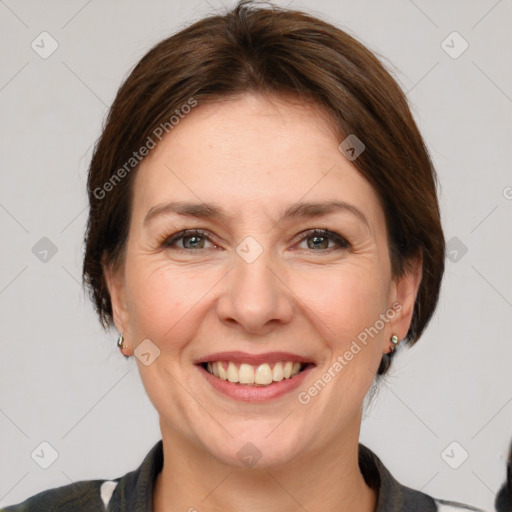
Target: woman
{"points": [[263, 232]]}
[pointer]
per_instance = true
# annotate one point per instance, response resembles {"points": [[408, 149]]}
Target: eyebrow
{"points": [[213, 211]]}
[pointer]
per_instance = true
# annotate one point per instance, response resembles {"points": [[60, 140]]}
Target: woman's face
{"points": [[255, 290]]}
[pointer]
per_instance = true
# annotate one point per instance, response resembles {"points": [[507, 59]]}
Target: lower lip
{"points": [[248, 393]]}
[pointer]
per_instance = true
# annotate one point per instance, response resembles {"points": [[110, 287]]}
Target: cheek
{"points": [[346, 300], [163, 299], [346, 303]]}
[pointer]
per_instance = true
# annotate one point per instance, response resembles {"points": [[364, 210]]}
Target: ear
{"points": [[114, 278], [404, 293]]}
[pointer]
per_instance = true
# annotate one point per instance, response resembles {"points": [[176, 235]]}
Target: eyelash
{"points": [[169, 240]]}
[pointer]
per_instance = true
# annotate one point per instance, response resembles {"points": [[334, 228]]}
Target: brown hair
{"points": [[276, 52]]}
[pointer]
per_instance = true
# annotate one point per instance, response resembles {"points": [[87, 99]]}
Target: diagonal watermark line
{"points": [[69, 478], [72, 276], [80, 484], [483, 483], [109, 390], [500, 409], [492, 211], [9, 491], [492, 286], [424, 423], [429, 481], [422, 78], [216, 9], [75, 15], [13, 279], [486, 14], [492, 81], [14, 76], [275, 224], [199, 403], [13, 423], [217, 486], [73, 219], [13, 13], [104, 104], [14, 218], [286, 491], [424, 14], [279, 424]]}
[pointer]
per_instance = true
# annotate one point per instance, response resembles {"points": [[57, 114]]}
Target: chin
{"points": [[257, 451]]}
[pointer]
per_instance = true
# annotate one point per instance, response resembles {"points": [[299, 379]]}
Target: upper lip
{"points": [[253, 359]]}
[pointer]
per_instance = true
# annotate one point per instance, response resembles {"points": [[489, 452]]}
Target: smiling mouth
{"points": [[254, 375]]}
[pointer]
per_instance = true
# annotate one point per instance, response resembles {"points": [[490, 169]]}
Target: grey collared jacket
{"points": [[133, 492]]}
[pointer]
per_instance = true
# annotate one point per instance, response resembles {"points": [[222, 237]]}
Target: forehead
{"points": [[249, 154]]}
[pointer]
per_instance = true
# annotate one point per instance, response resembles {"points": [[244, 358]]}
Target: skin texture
{"points": [[255, 157]]}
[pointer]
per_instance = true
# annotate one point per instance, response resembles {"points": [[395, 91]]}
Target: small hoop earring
{"points": [[394, 340]]}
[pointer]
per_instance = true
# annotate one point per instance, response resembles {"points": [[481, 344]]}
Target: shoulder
{"points": [[453, 506], [395, 497], [132, 491], [83, 496]]}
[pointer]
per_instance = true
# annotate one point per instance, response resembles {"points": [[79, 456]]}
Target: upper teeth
{"points": [[262, 374]]}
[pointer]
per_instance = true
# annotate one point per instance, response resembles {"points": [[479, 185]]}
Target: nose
{"points": [[255, 296]]}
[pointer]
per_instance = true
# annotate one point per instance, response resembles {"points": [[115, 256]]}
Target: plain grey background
{"points": [[62, 378]]}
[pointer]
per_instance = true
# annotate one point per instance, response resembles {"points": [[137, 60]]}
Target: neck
{"points": [[194, 481]]}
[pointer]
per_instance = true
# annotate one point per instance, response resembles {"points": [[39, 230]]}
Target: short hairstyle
{"points": [[276, 52]]}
